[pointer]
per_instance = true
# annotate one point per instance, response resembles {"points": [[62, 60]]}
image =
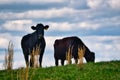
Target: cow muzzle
{"points": [[40, 36]]}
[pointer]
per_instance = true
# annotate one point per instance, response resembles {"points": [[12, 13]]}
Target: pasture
{"points": [[88, 71]]}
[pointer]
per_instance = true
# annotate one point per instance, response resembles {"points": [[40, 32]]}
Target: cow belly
{"points": [[61, 54]]}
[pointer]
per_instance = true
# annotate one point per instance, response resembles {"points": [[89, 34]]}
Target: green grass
{"points": [[89, 71]]}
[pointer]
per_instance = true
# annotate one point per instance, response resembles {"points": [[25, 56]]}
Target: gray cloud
{"points": [[96, 22], [30, 1]]}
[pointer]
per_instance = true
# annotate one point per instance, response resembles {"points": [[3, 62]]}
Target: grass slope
{"points": [[89, 71]]}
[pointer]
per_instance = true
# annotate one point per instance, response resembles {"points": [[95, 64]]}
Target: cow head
{"points": [[90, 57], [40, 29]]}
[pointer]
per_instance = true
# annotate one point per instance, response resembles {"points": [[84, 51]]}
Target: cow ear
{"points": [[46, 27], [33, 27]]}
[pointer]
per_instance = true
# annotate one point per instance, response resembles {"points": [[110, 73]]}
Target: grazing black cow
{"points": [[61, 46], [30, 41]]}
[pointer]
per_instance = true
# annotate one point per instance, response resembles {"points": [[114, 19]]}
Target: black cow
{"points": [[30, 41], [61, 46]]}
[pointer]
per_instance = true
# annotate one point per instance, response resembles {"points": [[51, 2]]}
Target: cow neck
{"points": [[36, 39], [87, 51]]}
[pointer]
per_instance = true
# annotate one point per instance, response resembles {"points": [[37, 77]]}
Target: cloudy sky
{"points": [[96, 22]]}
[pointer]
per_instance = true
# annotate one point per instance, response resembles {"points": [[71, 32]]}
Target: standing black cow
{"points": [[61, 46], [30, 41]]}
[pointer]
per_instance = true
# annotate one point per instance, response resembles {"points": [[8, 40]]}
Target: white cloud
{"points": [[19, 64], [3, 42], [100, 44], [110, 21], [2, 56], [88, 25], [17, 25], [48, 60], [1, 66], [104, 4], [24, 25], [50, 41], [51, 13], [6, 38], [115, 4], [106, 48], [94, 3], [65, 26], [99, 23], [100, 15]]}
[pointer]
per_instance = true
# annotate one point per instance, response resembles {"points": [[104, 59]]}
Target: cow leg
{"points": [[56, 62], [40, 60], [62, 62], [26, 60], [31, 63]]}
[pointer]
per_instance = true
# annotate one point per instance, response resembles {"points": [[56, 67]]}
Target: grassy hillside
{"points": [[89, 71]]}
